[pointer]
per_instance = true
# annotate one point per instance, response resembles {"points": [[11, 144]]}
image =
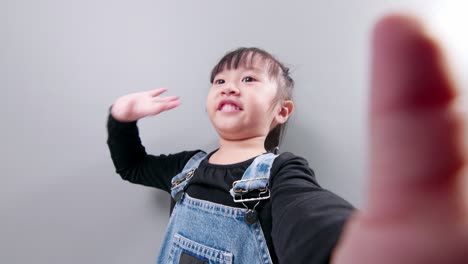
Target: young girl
{"points": [[243, 202]]}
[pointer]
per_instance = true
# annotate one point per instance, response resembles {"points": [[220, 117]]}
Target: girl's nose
{"points": [[230, 89]]}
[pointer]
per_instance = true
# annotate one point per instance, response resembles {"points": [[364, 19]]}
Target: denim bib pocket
{"points": [[202, 252], [204, 232]]}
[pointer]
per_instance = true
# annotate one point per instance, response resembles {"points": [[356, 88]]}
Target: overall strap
{"points": [[255, 178], [179, 181]]}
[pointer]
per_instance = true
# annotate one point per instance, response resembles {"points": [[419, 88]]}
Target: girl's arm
{"points": [[307, 219], [128, 154]]}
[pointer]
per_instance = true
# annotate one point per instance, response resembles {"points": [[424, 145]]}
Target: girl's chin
{"points": [[230, 134], [229, 128]]}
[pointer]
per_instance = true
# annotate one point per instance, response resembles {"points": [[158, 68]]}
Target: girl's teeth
{"points": [[229, 108]]}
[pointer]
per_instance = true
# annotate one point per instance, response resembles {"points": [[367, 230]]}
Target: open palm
{"points": [[416, 212], [134, 106]]}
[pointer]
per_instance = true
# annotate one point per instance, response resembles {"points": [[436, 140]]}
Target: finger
{"points": [[164, 106], [171, 105], [157, 92], [167, 98], [164, 103], [415, 146]]}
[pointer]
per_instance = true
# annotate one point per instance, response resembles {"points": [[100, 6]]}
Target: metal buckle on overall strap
{"points": [[187, 177], [251, 215], [264, 193]]}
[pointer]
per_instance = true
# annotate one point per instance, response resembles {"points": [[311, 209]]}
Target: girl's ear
{"points": [[286, 109]]}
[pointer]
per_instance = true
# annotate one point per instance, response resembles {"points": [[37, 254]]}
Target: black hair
{"points": [[245, 57]]}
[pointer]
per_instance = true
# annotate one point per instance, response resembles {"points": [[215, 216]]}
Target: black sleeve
{"points": [[307, 219], [133, 163]]}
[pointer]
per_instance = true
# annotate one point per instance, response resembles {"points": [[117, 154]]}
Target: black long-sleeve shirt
{"points": [[301, 221]]}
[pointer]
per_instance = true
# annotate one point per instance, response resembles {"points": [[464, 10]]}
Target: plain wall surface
{"points": [[63, 63]]}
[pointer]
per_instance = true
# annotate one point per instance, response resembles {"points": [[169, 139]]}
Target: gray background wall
{"points": [[63, 63]]}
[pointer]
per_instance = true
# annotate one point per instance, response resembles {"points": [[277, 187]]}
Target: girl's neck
{"points": [[235, 151]]}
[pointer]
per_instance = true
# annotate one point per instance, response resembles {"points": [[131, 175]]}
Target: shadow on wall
{"points": [[300, 140], [327, 163], [161, 202]]}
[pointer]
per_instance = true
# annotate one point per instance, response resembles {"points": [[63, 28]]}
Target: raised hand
{"points": [[416, 213], [134, 106]]}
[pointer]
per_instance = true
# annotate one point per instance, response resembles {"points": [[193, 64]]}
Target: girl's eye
{"points": [[219, 81], [248, 79]]}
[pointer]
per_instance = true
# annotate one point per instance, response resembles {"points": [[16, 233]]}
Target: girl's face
{"points": [[241, 103]]}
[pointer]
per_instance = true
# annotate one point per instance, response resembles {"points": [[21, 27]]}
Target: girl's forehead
{"points": [[247, 61], [256, 69], [255, 64]]}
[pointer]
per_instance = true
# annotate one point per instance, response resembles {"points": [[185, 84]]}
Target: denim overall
{"points": [[202, 232]]}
